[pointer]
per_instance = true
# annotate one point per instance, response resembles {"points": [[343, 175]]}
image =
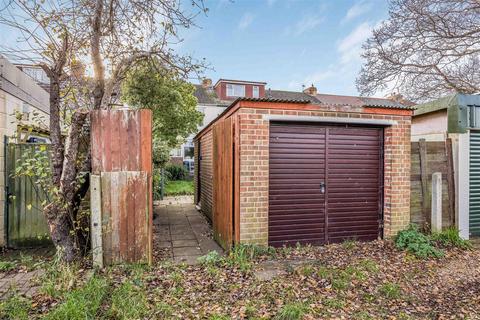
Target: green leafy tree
{"points": [[171, 99]]}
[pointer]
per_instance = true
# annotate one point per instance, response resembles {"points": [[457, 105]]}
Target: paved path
{"points": [[182, 230]]}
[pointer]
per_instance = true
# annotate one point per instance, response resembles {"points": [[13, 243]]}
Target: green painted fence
{"points": [[25, 220], [474, 183]]}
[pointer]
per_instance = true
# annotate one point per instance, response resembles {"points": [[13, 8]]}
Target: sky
{"points": [[286, 43]]}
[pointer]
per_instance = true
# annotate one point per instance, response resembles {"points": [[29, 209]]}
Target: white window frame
{"points": [[256, 92], [235, 90]]}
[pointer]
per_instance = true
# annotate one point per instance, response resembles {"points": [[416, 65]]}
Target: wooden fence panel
{"points": [[26, 224], [122, 157], [428, 157], [223, 183]]}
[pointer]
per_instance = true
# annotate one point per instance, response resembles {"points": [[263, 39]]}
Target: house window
{"points": [[256, 92], [235, 90], [474, 117]]}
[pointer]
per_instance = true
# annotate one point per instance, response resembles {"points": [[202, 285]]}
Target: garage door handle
{"points": [[322, 187]]}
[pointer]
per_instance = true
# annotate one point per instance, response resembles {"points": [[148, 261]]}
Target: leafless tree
{"points": [[425, 49], [110, 35]]}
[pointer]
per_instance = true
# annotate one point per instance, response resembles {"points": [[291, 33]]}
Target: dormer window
{"points": [[256, 92], [235, 90]]}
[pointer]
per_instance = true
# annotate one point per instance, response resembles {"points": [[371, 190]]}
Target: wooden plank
{"points": [[134, 139], [424, 179], [96, 219], [125, 144], [106, 219], [450, 181], [236, 178], [115, 206], [115, 119], [95, 141], [123, 216], [130, 205], [141, 218]]}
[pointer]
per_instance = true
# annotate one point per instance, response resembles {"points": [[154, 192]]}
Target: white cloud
{"points": [[357, 10], [350, 47], [245, 21], [307, 23]]}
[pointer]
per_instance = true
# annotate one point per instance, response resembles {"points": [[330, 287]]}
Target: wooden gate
{"points": [[26, 225], [121, 186], [223, 182]]}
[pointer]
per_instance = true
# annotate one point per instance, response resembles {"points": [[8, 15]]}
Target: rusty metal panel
{"points": [[325, 183]]}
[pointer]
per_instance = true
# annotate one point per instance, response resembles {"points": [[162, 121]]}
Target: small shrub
{"points": [[417, 243], [213, 258], [15, 308], [390, 290], [176, 172], [450, 238], [292, 311]]}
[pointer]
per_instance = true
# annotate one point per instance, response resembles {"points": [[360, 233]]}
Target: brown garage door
{"points": [[325, 183]]}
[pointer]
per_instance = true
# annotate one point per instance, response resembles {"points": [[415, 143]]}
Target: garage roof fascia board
{"points": [[329, 120], [237, 103], [305, 105]]}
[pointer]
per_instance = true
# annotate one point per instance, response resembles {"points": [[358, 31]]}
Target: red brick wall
{"points": [[221, 91], [254, 159]]}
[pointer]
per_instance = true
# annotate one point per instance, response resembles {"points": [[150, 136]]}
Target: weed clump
{"points": [[417, 243]]}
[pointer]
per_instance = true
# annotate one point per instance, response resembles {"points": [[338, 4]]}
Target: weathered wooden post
{"points": [[121, 186], [437, 202]]}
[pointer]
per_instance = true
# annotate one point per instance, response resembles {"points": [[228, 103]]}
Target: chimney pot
{"points": [[312, 90]]}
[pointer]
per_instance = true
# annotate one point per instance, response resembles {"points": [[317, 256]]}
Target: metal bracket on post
{"points": [[436, 202], [96, 220]]}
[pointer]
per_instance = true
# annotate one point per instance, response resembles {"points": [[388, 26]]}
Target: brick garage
{"points": [[245, 155]]}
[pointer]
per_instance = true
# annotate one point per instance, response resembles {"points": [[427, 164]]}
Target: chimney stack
{"points": [[206, 83], [397, 97], [312, 90]]}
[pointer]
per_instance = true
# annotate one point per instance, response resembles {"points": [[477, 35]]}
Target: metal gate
{"points": [[26, 224], [325, 183], [474, 216]]}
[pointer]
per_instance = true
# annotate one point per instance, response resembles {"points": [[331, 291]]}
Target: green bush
{"points": [[176, 172], [450, 238], [417, 243]]}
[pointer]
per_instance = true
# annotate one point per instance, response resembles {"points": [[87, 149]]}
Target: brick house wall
{"points": [[254, 165]]}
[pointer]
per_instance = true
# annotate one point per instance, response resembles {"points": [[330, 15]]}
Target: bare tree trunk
{"points": [[60, 226], [99, 72]]}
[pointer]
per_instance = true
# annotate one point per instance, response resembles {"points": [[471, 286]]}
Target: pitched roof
{"points": [[208, 96], [332, 99], [289, 95]]}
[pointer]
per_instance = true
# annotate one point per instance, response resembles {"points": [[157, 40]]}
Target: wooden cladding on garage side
{"points": [[223, 182]]}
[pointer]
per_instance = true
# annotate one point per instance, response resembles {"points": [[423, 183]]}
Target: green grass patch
{"points": [[7, 266], [292, 311], [15, 308], [179, 188], [82, 303], [390, 290], [450, 238], [128, 301]]}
